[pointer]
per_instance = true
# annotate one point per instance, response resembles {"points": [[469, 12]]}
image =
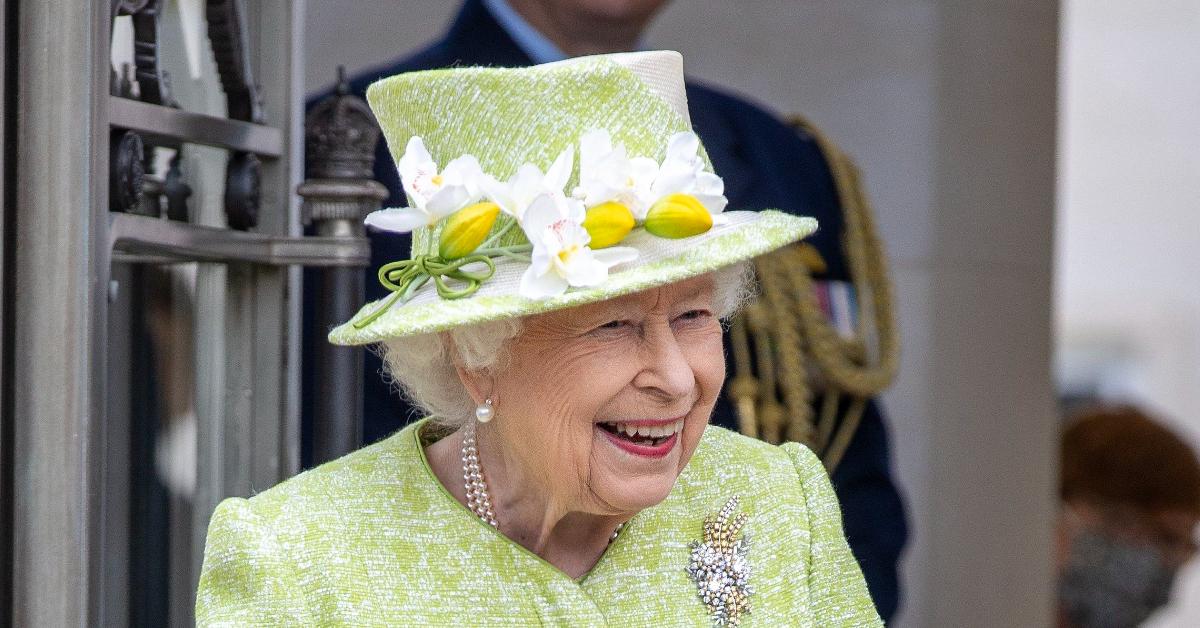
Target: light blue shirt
{"points": [[531, 41]]}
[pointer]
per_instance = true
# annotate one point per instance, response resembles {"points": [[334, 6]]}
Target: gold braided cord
{"points": [[796, 348], [788, 344], [868, 269], [828, 421], [771, 413], [743, 388], [833, 453]]}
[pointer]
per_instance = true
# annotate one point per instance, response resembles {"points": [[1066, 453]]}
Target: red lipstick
{"points": [[648, 451]]}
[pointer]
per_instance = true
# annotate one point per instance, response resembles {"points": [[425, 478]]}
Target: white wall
{"points": [[1128, 243], [949, 107], [1129, 240]]}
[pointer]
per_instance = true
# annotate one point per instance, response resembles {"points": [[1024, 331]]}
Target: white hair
{"points": [[422, 368]]}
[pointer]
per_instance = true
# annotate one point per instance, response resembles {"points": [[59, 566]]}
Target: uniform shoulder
{"points": [[722, 97], [710, 104], [706, 100]]}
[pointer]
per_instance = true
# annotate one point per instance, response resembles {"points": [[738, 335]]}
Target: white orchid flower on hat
{"points": [[683, 172], [528, 184], [432, 194], [561, 256], [608, 175], [688, 199]]}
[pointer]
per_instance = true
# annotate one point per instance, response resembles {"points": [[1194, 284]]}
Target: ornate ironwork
{"points": [[127, 172], [154, 82], [340, 136], [172, 127], [242, 190], [176, 191], [227, 33], [152, 195]]}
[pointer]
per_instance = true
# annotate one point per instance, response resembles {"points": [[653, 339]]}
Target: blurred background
{"points": [[1035, 175], [1127, 231]]}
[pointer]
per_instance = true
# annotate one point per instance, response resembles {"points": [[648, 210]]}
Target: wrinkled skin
{"points": [[559, 485]]}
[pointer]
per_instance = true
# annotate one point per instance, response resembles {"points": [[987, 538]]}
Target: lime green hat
{"points": [[512, 224]]}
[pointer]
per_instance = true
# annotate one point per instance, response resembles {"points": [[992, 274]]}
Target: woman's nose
{"points": [[665, 366]]}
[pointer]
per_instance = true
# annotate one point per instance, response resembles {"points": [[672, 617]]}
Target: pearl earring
{"points": [[484, 412]]}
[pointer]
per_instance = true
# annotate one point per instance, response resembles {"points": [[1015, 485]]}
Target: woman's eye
{"points": [[694, 317]]}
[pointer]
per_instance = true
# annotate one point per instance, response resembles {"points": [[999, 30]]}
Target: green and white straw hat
{"points": [[506, 222]]}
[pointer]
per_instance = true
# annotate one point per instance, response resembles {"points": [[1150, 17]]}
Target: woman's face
{"points": [[579, 381]]}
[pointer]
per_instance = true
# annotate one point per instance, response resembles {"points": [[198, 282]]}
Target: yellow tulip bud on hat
{"points": [[466, 229], [608, 224], [678, 216]]}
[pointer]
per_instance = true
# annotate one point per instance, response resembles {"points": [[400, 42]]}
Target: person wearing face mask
{"points": [[1130, 493]]}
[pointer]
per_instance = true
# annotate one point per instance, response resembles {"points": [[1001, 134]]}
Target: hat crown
{"points": [[660, 70], [507, 117], [503, 226]]}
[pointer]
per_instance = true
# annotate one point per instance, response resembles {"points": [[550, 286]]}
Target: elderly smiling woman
{"points": [[566, 343]]}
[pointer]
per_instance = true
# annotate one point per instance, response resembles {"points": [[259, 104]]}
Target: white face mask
{"points": [[1112, 583]]}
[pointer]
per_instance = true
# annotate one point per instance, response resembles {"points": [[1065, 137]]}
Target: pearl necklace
{"points": [[478, 499]]}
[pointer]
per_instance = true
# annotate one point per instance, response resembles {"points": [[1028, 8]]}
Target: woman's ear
{"points": [[477, 382]]}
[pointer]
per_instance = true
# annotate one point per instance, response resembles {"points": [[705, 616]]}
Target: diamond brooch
{"points": [[719, 566]]}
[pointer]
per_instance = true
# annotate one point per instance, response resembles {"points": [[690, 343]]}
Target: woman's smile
{"points": [[648, 438]]}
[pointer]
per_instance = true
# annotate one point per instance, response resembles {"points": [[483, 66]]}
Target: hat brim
{"points": [[740, 236]]}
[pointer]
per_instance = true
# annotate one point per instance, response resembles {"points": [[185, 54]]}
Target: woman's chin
{"points": [[633, 496], [632, 475]]}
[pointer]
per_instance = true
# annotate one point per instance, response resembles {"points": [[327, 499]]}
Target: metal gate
{"points": [[152, 249]]}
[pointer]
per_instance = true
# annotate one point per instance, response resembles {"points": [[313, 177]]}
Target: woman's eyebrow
{"points": [[695, 293]]}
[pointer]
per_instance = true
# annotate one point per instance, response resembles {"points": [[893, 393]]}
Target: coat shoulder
{"points": [[727, 459], [332, 491]]}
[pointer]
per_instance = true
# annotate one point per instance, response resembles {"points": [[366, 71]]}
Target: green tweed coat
{"points": [[373, 539]]}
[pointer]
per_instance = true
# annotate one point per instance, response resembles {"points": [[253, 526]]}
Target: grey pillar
{"points": [[340, 139], [337, 426], [59, 327]]}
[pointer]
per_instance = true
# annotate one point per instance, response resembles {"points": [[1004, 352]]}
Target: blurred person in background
{"points": [[1130, 492], [765, 163]]}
